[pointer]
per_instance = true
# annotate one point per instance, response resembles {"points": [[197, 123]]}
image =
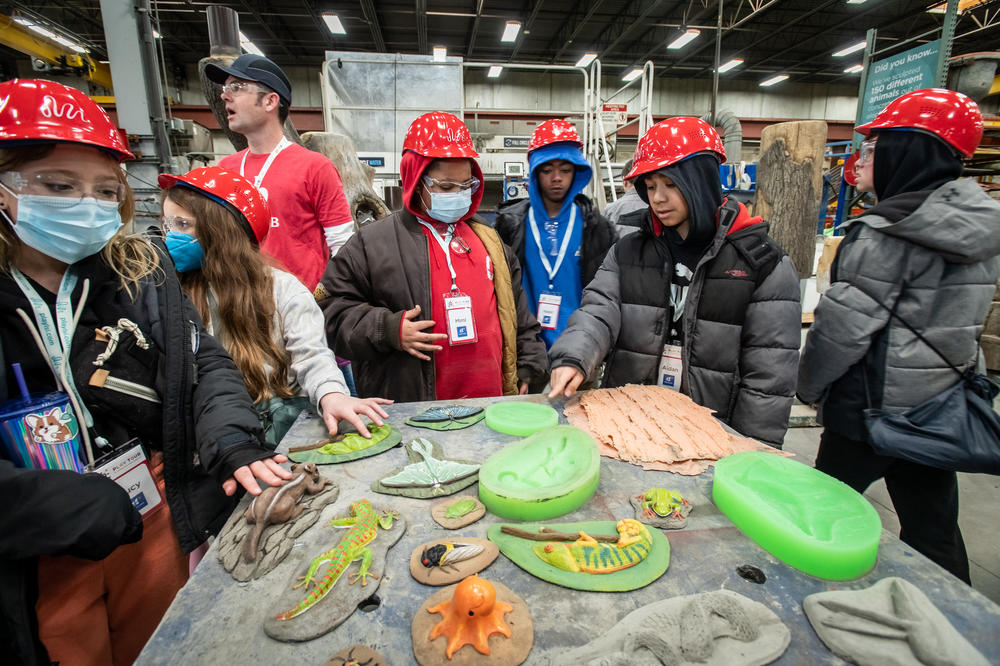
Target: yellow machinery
{"points": [[19, 38]]}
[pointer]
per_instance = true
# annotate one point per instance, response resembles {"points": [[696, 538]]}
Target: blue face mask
{"points": [[67, 233], [185, 250], [449, 207]]}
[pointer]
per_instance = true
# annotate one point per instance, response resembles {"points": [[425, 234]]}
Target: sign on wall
{"points": [[614, 115], [893, 76]]}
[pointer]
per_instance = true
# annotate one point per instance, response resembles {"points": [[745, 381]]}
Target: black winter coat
{"points": [[598, 233]]}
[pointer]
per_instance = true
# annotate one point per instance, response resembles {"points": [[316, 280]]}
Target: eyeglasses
{"points": [[451, 186], [236, 87], [64, 185], [866, 152], [179, 225]]}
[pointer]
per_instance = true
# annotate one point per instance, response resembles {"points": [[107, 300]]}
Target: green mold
{"points": [[520, 418], [352, 447]]}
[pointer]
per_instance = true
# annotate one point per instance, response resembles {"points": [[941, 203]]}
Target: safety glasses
{"points": [[866, 152], [450, 185], [63, 185]]}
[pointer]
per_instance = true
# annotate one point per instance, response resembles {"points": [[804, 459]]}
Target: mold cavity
{"points": [[369, 604]]}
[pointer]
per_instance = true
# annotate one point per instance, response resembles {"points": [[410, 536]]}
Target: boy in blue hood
{"points": [[558, 234]]}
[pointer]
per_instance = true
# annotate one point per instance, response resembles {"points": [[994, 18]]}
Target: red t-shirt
{"points": [[473, 369], [306, 196]]}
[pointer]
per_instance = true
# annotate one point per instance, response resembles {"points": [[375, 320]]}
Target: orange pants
{"points": [[103, 612]]}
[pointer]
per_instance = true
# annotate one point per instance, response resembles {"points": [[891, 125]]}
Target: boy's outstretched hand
{"points": [[565, 380]]}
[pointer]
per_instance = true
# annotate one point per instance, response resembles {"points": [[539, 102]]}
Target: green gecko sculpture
{"points": [[364, 522]]}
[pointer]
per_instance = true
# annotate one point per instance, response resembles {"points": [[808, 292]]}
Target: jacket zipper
{"points": [[131, 388]]}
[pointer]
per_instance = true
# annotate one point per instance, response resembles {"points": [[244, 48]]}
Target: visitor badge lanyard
{"points": [[259, 178], [457, 306], [57, 336], [550, 300]]}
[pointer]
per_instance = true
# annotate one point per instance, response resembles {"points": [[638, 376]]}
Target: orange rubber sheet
{"points": [[656, 428]]}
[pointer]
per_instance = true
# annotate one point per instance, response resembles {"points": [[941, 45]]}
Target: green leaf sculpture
{"points": [[350, 446]]}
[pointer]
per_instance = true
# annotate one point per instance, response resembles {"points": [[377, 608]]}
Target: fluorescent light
{"points": [[333, 24], [774, 79], [156, 34], [45, 32], [856, 2], [249, 46], [510, 31], [494, 71], [853, 69], [853, 48], [632, 75], [440, 53], [686, 37], [586, 59], [732, 64]]}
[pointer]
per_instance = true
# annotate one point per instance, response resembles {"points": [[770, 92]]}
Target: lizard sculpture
{"points": [[586, 555], [363, 524], [280, 504]]}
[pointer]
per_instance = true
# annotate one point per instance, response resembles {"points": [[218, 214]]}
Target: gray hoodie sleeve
{"points": [[769, 356], [592, 329], [848, 315]]}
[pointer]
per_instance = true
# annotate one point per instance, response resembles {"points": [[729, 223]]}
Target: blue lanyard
{"points": [[56, 336]]}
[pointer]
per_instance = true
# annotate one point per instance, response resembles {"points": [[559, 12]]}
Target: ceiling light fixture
{"points": [[156, 34], [774, 79], [684, 39], [856, 2], [510, 31], [494, 71], [55, 37], [853, 48], [440, 53], [333, 24], [586, 59], [854, 69], [632, 75], [249, 46], [735, 62]]}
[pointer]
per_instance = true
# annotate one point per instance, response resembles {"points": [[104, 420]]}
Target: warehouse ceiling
{"points": [[793, 37]]}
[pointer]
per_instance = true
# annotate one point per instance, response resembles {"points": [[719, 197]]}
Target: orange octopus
{"points": [[471, 617]]}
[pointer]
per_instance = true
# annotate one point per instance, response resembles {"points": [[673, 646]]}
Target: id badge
{"points": [[129, 468], [671, 365], [548, 310], [461, 326]]}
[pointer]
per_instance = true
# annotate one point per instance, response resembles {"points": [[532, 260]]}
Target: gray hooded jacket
{"points": [[938, 268]]}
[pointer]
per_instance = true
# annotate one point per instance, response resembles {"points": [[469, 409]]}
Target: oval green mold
{"points": [[520, 418], [805, 518], [543, 476]]}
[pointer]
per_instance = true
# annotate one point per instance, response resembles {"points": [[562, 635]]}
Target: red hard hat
{"points": [[439, 134], [672, 140], [227, 187], [849, 175], [947, 114], [554, 131], [36, 110]]}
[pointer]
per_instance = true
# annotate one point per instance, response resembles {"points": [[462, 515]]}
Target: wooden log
{"points": [[366, 205], [790, 185]]}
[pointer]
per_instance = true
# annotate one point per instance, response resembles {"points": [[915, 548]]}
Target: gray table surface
{"points": [[216, 620]]}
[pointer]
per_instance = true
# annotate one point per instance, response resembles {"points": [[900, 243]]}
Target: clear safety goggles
{"points": [[237, 87], [451, 186], [64, 186], [866, 152], [181, 225]]}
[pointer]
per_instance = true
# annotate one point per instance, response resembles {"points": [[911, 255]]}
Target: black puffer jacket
{"points": [[741, 323], [598, 233]]}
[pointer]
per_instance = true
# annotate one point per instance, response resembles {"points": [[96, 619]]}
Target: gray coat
{"points": [[738, 360], [938, 268]]}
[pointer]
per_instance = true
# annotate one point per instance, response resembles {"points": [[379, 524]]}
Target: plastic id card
{"points": [[548, 309], [671, 365], [458, 311], [128, 467]]}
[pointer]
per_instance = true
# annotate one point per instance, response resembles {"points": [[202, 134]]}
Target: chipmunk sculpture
{"points": [[279, 504]]}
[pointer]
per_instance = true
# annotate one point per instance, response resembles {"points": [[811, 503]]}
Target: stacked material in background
{"points": [[656, 428]]}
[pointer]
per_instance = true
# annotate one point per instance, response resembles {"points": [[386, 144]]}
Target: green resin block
{"points": [[520, 418], [805, 518], [543, 476]]}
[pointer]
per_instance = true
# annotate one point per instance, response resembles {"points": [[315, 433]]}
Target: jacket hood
{"points": [[957, 220], [558, 151], [412, 166], [697, 178]]}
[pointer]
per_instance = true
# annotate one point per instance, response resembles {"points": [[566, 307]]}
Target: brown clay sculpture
{"points": [[357, 655], [453, 513], [278, 504], [447, 561]]}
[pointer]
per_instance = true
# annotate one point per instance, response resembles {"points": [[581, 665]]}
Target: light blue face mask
{"points": [[67, 233], [185, 250], [449, 207]]}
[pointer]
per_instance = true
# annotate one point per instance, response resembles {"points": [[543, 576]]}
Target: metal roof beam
{"points": [[368, 7]]}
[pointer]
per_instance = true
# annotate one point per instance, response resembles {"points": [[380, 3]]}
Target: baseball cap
{"points": [[253, 68]]}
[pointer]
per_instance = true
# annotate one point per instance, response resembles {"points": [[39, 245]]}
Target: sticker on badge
{"points": [[461, 326], [671, 366], [548, 310], [129, 468]]}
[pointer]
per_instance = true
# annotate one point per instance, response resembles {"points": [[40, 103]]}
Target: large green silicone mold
{"points": [[805, 518], [520, 418], [543, 476]]}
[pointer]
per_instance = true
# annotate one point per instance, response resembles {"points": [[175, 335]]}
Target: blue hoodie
{"points": [[567, 281]]}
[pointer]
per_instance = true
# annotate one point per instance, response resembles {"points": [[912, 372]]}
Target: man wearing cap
{"points": [[558, 234], [310, 216], [626, 213]]}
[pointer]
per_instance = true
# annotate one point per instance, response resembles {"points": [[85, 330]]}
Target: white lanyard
{"points": [[445, 244], [56, 336], [549, 268], [259, 178]]}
